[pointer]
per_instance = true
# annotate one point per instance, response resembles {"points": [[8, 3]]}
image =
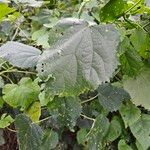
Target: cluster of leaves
{"points": [[75, 74]]}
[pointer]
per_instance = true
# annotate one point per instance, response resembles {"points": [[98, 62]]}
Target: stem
{"points": [[18, 71], [146, 25], [89, 118], [42, 120], [133, 24], [11, 129], [133, 6], [88, 100], [15, 34], [8, 78], [91, 128]]}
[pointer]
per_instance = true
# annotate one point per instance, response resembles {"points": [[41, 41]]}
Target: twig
{"points": [[133, 6], [42, 120], [11, 129], [88, 100], [18, 71], [89, 118], [15, 34], [91, 128], [8, 78]]}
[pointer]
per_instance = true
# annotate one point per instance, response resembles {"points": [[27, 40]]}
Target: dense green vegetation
{"points": [[75, 74]]}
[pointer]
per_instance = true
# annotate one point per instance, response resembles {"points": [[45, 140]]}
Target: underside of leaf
{"points": [[84, 57], [19, 54]]}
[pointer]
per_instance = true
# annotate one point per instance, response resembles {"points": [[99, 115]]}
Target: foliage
{"points": [[75, 74]]}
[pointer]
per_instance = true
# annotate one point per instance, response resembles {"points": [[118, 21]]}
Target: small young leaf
{"points": [[123, 146], [23, 94], [34, 111], [5, 120], [5, 10]]}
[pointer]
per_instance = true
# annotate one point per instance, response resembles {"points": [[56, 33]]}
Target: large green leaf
{"points": [[111, 97], [29, 134], [22, 94], [50, 140], [141, 131], [141, 42], [139, 88], [114, 129], [96, 138], [85, 56], [65, 110], [19, 54], [130, 113], [131, 62], [113, 10]]}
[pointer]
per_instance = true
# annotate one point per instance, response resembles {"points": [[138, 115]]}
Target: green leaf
{"points": [[5, 120], [131, 62], [34, 111], [81, 136], [19, 54], [141, 130], [139, 145], [115, 129], [139, 88], [29, 134], [111, 97], [113, 10], [141, 42], [96, 138], [130, 113], [123, 146], [41, 37], [43, 99], [50, 140], [5, 10], [22, 94], [65, 110], [85, 56]]}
